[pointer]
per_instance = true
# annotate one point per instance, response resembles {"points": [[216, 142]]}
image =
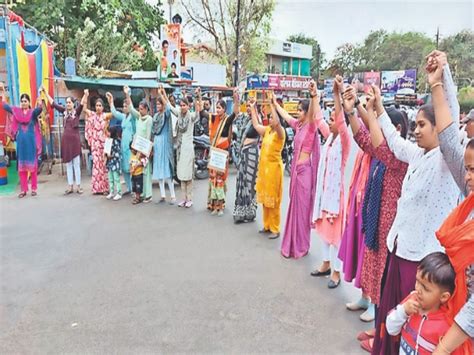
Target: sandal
{"points": [[80, 191], [22, 194], [68, 191], [136, 201], [34, 193]]}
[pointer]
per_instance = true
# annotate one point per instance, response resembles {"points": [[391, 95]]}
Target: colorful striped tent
{"points": [[24, 69]]}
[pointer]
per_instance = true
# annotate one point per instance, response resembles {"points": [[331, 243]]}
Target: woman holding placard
{"points": [[96, 123], [185, 151], [220, 135], [143, 129]]}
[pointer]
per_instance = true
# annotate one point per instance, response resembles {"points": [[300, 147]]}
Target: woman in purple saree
{"points": [[296, 240]]}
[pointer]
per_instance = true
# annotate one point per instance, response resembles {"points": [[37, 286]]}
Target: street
{"points": [[81, 274]]}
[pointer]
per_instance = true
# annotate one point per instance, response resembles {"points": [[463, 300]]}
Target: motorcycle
{"points": [[202, 146], [287, 152]]}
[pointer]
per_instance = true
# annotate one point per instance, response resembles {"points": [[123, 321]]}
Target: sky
{"points": [[335, 22]]}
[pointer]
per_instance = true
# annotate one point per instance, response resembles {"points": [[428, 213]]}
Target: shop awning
{"points": [[77, 82]]}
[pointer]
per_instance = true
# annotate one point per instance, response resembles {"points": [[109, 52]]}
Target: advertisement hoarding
{"points": [[170, 61], [400, 81]]}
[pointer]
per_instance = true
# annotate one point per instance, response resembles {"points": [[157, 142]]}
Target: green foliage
{"points": [[216, 21], [318, 56], [460, 50], [63, 20], [104, 48], [466, 98], [397, 51]]}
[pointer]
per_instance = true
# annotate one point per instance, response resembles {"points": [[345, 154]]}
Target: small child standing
{"points": [[114, 165], [138, 162], [422, 317]]}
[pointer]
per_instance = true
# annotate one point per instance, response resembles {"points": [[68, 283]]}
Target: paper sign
{"points": [[218, 159], [108, 146], [142, 145]]}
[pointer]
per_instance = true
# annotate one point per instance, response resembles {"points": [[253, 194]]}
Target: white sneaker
{"points": [[117, 197], [109, 196], [368, 315]]}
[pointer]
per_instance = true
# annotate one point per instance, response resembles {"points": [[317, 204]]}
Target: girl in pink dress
{"points": [[329, 208]]}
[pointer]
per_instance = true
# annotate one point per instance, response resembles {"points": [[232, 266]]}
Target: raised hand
{"points": [[86, 92], [370, 106], [434, 58], [252, 102], [109, 97], [338, 86], [126, 90], [313, 89], [435, 70], [2, 86], [349, 99]]}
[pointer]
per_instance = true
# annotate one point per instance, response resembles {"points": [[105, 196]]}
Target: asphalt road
{"points": [[80, 274]]}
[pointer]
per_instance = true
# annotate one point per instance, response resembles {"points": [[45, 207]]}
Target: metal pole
{"points": [[437, 38], [237, 38]]}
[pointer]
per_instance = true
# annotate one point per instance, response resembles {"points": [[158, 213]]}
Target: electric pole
{"points": [[437, 38], [237, 37]]}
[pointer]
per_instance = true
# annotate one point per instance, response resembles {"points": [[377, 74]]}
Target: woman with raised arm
{"points": [[185, 149], [304, 170], [270, 169], [380, 202], [245, 206], [456, 234], [143, 129], [25, 131], [95, 132], [352, 247], [71, 139], [128, 124], [429, 193], [329, 207], [220, 135], [163, 160]]}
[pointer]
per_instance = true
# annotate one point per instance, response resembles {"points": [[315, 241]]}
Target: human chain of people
{"points": [[403, 232]]}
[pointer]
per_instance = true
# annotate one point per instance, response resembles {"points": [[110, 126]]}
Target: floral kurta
{"points": [[115, 159], [374, 260], [95, 136]]}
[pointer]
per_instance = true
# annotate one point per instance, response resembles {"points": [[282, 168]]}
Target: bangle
{"points": [[439, 83], [313, 96], [443, 349]]}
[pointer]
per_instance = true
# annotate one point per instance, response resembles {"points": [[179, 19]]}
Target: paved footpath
{"points": [[80, 274]]}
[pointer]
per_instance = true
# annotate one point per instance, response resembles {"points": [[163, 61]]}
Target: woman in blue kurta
{"points": [[162, 134], [127, 122], [25, 131]]}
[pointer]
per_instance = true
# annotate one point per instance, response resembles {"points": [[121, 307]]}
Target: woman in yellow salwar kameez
{"points": [[269, 184]]}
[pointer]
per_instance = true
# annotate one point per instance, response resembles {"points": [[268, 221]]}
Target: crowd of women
{"points": [[403, 201]]}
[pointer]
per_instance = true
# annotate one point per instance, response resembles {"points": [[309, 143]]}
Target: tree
{"points": [[318, 56], [460, 51], [216, 21], [62, 20], [345, 60], [104, 48]]}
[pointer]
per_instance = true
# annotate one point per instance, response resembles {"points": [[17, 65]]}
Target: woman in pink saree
{"points": [[296, 239]]}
